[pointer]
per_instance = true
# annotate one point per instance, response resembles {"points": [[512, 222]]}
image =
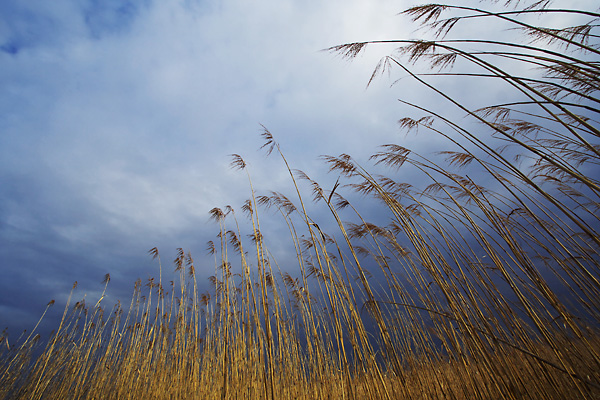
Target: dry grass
{"points": [[482, 283]]}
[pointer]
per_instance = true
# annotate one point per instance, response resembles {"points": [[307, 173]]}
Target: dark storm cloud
{"points": [[116, 120]]}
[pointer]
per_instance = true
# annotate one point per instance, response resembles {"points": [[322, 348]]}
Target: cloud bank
{"points": [[117, 119]]}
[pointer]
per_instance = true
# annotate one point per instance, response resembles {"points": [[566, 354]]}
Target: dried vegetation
{"points": [[483, 283]]}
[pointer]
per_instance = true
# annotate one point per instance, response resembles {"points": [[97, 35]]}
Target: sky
{"points": [[117, 119]]}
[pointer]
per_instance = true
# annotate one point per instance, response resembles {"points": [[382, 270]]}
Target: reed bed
{"points": [[482, 281]]}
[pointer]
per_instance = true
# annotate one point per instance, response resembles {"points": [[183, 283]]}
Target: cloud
{"points": [[112, 16], [118, 118]]}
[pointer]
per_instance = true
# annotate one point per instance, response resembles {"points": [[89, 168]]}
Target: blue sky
{"points": [[117, 119]]}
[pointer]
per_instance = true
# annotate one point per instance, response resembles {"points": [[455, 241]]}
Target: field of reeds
{"points": [[482, 281]]}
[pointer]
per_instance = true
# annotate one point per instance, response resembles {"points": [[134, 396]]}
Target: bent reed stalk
{"points": [[482, 281]]}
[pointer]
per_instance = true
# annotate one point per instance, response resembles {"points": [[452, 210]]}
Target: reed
{"points": [[482, 281]]}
